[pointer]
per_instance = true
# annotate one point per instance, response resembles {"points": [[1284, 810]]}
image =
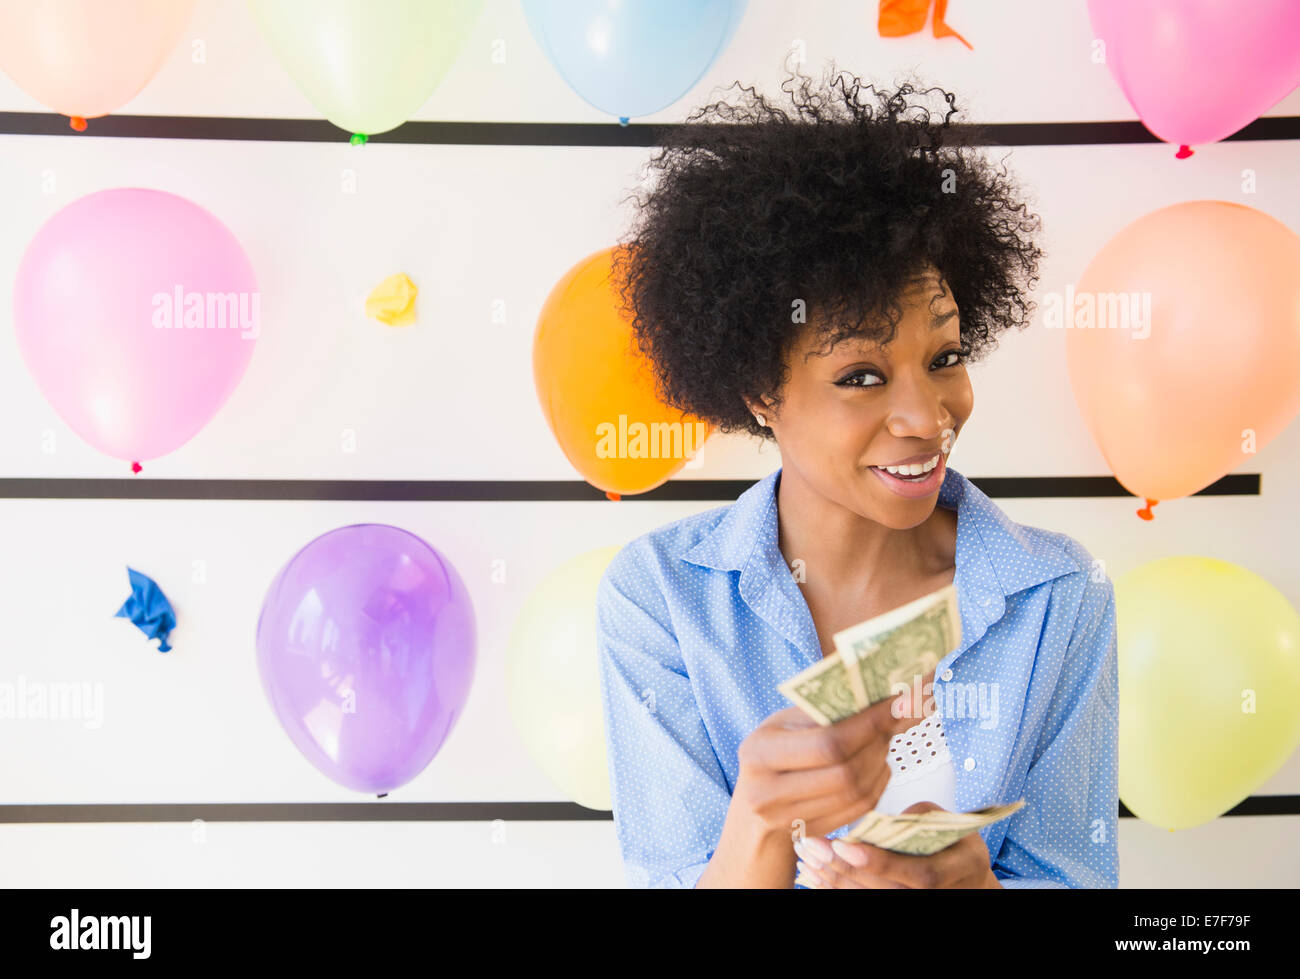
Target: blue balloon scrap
{"points": [[149, 609]]}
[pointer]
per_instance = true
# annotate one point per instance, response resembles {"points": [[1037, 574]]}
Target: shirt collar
{"points": [[995, 558]]}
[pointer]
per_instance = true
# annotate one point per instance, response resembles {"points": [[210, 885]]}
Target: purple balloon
{"points": [[366, 647]]}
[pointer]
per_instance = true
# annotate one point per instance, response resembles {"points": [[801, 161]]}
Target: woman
{"points": [[820, 279]]}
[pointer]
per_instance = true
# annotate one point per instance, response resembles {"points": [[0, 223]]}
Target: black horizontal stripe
{"points": [[1007, 487], [302, 812], [1254, 805], [435, 812], [552, 133], [520, 490]]}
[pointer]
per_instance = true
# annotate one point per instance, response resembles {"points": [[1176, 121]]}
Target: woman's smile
{"points": [[914, 487]]}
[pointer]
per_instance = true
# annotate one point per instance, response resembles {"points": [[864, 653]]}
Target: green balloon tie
{"points": [[358, 139]]}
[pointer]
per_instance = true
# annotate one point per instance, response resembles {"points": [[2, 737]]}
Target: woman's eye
{"points": [[951, 358], [870, 379], [861, 379]]}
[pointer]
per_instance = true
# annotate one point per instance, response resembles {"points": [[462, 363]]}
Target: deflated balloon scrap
{"points": [[393, 301], [149, 609], [898, 18]]}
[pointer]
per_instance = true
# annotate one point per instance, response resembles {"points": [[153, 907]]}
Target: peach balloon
{"points": [[87, 58], [1196, 369]]}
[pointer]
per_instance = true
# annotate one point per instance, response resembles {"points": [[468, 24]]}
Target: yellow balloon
{"points": [[1209, 682], [553, 679], [367, 65]]}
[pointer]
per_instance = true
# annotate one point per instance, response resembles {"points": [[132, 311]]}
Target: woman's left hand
{"points": [[841, 864]]}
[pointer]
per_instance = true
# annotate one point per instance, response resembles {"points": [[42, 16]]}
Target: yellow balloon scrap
{"points": [[393, 301]]}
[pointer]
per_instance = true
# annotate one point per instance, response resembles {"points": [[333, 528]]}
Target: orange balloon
{"points": [[1196, 368], [597, 390]]}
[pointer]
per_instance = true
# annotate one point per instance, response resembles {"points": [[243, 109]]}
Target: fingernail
{"points": [[805, 855], [807, 875], [816, 849]]}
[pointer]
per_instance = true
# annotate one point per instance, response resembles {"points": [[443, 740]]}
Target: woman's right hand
{"points": [[798, 777]]}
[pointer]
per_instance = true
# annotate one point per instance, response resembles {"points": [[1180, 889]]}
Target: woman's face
{"points": [[863, 406]]}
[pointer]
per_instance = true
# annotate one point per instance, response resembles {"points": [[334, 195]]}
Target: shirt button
{"points": [[968, 764], [947, 675]]}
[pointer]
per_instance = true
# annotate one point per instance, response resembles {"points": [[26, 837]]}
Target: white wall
{"points": [[452, 398]]}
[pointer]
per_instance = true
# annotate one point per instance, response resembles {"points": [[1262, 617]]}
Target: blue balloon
{"points": [[633, 57], [149, 609]]}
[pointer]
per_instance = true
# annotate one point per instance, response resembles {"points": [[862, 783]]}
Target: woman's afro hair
{"points": [[753, 213]]}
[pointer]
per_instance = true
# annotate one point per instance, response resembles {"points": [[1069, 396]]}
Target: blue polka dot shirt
{"points": [[700, 620]]}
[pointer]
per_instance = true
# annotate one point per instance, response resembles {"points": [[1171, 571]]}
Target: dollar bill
{"points": [[823, 691], [924, 833], [877, 658], [918, 834], [891, 651]]}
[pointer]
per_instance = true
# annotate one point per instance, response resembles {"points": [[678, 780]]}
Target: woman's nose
{"points": [[916, 408]]}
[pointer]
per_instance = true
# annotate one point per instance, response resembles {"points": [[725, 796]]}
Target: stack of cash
{"points": [[920, 834], [880, 658], [924, 833]]}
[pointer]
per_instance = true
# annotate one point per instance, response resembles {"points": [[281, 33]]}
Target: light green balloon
{"points": [[367, 65], [1209, 687], [553, 679]]}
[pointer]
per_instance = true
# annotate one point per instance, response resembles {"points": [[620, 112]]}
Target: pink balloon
{"points": [[137, 312], [88, 57], [1199, 70]]}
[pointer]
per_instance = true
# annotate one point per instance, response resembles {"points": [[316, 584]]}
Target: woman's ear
{"points": [[760, 409]]}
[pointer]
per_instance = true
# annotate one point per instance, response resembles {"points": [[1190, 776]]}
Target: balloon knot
{"points": [[1145, 513], [612, 496], [358, 139], [136, 467], [622, 120], [1184, 151], [77, 123]]}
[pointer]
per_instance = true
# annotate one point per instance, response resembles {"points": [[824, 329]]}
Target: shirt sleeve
{"points": [[1067, 835], [669, 794]]}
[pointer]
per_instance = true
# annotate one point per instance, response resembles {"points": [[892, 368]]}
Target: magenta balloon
{"points": [[137, 312], [366, 648]]}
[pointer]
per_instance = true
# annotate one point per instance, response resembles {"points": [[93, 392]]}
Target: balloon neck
{"points": [[77, 123], [1184, 151], [136, 467], [1145, 513], [613, 496], [622, 120], [359, 139]]}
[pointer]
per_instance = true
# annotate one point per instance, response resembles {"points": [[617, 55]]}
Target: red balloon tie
{"points": [[135, 467], [77, 123], [612, 496], [1184, 151], [1145, 513]]}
